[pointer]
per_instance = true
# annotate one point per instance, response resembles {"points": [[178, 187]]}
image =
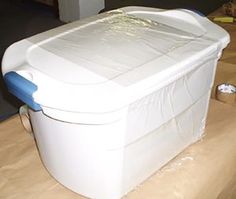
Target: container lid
{"points": [[107, 61]]}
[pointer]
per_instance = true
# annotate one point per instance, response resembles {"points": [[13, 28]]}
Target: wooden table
{"points": [[207, 169]]}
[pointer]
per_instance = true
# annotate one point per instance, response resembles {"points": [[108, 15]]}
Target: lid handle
{"points": [[22, 88], [182, 19]]}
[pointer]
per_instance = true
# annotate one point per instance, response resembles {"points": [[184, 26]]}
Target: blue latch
{"points": [[22, 88]]}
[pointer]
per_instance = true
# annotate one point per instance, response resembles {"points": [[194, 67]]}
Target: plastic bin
{"points": [[114, 97]]}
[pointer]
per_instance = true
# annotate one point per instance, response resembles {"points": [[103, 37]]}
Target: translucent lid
{"points": [[105, 62], [106, 48]]}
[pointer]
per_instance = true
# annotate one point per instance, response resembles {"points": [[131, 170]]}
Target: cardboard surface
{"points": [[206, 169]]}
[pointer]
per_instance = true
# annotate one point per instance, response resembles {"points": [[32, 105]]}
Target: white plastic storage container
{"points": [[116, 96]]}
